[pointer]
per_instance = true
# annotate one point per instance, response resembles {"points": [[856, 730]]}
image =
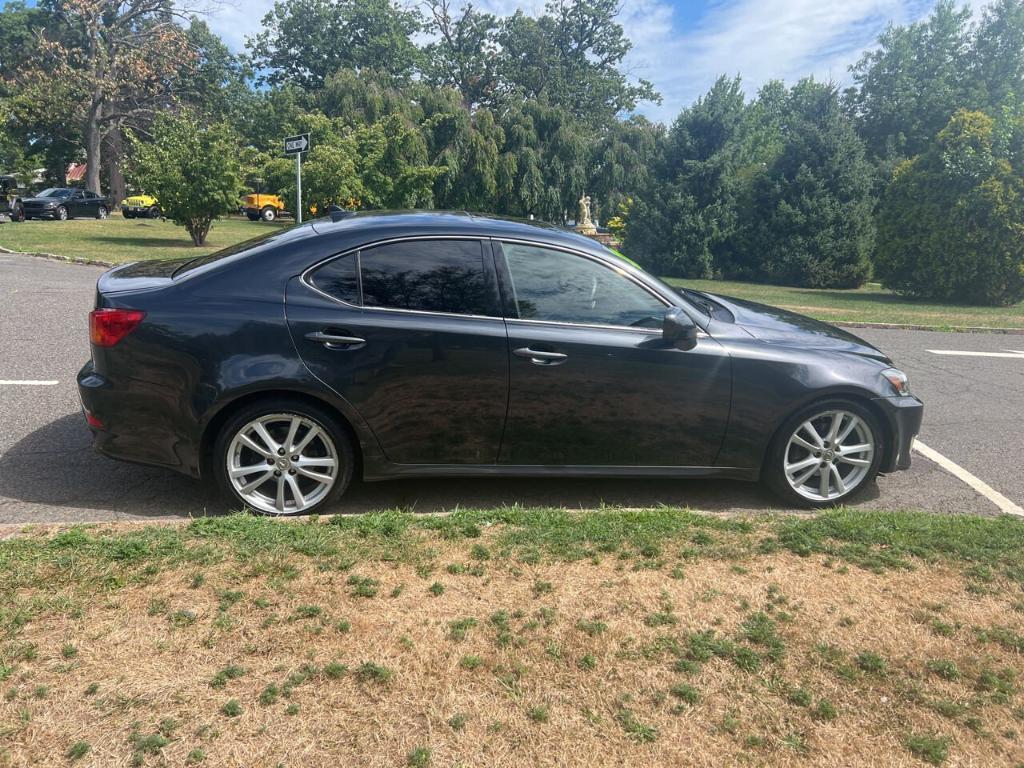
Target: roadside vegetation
{"points": [[517, 636]]}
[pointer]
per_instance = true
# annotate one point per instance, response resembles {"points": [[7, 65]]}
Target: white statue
{"points": [[583, 220]]}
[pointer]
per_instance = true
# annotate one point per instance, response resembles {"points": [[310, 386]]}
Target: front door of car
{"points": [[410, 333], [592, 382], [77, 205]]}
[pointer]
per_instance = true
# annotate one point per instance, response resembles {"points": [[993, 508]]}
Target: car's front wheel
{"points": [[824, 454], [283, 458], [61, 213], [154, 212]]}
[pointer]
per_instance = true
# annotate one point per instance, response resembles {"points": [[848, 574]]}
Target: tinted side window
{"points": [[428, 275], [563, 287], [338, 279]]}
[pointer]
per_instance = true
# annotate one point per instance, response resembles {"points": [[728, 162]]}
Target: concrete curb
{"points": [[58, 257], [840, 323], [938, 329]]}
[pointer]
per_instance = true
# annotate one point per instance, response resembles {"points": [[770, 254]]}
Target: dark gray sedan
{"points": [[431, 344], [63, 203]]}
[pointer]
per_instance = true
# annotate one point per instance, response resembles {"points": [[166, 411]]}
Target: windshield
{"points": [[55, 192]]}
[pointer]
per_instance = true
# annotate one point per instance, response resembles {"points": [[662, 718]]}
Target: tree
{"points": [[191, 169], [465, 55], [305, 41], [107, 64], [808, 213], [951, 225], [569, 57], [684, 219], [909, 86], [997, 62]]}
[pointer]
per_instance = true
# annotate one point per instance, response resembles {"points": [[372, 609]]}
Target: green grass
{"points": [[869, 304], [118, 240]]}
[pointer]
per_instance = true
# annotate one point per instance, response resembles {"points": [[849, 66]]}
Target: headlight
{"points": [[898, 379]]}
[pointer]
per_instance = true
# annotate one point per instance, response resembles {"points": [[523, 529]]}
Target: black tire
{"points": [[128, 215], [153, 213], [102, 212], [269, 213], [252, 216], [61, 214], [18, 212], [319, 415], [773, 473]]}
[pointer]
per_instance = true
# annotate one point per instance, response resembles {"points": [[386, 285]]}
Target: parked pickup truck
{"points": [[265, 207]]}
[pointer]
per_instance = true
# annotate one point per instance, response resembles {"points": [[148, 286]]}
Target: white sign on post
{"points": [[296, 145]]}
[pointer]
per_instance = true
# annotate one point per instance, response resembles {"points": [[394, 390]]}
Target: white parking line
{"points": [[28, 382], [1011, 353], [977, 484]]}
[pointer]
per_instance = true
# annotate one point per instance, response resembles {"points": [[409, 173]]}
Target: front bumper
{"points": [[41, 213], [903, 418]]}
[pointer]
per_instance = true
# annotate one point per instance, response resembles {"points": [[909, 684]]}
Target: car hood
{"points": [[772, 325]]}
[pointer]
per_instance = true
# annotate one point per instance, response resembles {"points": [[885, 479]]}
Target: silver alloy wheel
{"points": [[829, 455], [62, 213], [102, 212], [282, 463]]}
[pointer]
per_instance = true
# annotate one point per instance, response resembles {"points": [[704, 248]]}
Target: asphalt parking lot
{"points": [[48, 472]]}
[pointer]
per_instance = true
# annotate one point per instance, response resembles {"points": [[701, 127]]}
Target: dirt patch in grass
{"points": [[649, 639]]}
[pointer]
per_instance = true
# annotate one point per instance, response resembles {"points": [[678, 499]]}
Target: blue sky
{"points": [[682, 46]]}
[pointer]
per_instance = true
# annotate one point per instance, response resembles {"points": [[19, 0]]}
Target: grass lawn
{"points": [[515, 637], [870, 304], [117, 240]]}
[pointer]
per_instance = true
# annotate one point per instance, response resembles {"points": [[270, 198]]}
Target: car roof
{"points": [[367, 224]]}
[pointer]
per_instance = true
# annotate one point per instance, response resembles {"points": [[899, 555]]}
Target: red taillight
{"points": [[93, 421], [109, 326]]}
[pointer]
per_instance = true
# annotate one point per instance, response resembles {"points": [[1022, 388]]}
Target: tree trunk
{"points": [[115, 167], [93, 140]]}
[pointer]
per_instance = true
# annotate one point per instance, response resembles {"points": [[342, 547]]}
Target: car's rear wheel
{"points": [[101, 212], [281, 457], [61, 213], [825, 454], [268, 213]]}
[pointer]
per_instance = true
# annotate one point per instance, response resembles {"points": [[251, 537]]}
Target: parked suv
{"points": [[140, 206], [63, 203]]}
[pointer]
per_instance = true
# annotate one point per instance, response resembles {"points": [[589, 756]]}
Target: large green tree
{"points": [[951, 226], [304, 41]]}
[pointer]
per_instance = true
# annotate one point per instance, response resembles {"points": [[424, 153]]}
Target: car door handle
{"points": [[335, 341], [540, 357]]}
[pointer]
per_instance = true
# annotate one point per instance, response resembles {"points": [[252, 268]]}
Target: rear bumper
{"points": [[135, 422], [903, 416]]}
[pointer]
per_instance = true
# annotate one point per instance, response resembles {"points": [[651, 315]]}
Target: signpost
{"points": [[296, 145]]}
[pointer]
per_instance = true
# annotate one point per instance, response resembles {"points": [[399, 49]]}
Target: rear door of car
{"points": [[591, 380], [410, 333]]}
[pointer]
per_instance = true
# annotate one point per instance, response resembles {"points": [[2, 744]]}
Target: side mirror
{"points": [[678, 329]]}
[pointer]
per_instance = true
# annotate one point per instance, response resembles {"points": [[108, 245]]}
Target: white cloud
{"points": [[758, 39]]}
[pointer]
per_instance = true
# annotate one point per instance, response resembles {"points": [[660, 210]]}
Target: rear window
{"points": [[231, 250]]}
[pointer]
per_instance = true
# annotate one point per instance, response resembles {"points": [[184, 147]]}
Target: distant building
{"points": [[75, 173]]}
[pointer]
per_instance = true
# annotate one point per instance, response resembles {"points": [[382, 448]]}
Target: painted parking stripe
{"points": [[986, 490], [1011, 353], [28, 382]]}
